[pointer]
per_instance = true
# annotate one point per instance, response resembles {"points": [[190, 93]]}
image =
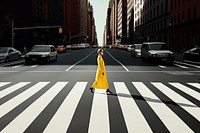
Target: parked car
{"points": [[41, 53], [129, 47], [136, 50], [61, 49], [8, 54], [157, 51], [192, 54]]}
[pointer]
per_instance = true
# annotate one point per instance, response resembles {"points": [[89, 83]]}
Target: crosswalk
{"points": [[176, 106]]}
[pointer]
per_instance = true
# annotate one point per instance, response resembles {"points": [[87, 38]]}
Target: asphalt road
{"points": [[55, 97]]}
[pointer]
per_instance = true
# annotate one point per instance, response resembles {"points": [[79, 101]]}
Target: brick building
{"points": [[185, 24]]}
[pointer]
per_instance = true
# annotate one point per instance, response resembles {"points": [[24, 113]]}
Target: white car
{"points": [[8, 54], [136, 50], [41, 53], [157, 52], [129, 47]]}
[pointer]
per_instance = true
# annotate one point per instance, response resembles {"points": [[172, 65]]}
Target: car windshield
{"points": [[138, 46], [3, 50], [158, 47], [40, 49]]}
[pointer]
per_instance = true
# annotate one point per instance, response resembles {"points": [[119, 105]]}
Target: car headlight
{"points": [[154, 55], [45, 55]]}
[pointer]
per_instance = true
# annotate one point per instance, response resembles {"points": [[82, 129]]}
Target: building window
{"points": [[183, 16], [150, 14], [174, 3], [162, 8], [189, 14], [157, 10], [175, 20], [172, 21], [195, 12], [166, 5], [165, 23]]}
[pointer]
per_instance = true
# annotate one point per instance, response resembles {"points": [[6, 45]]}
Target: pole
{"points": [[13, 34]]}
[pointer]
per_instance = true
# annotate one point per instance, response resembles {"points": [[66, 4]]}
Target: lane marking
{"points": [[99, 118], [62, 118], [13, 88], [181, 66], [135, 121], [168, 117], [187, 64], [79, 61], [162, 66], [14, 102], [193, 109], [34, 66], [187, 90], [23, 120], [17, 66], [118, 61]]}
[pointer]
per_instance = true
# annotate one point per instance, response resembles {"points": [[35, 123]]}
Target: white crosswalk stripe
{"points": [[4, 83], [20, 123], [61, 120], [187, 90], [164, 113], [197, 85], [11, 104], [193, 109], [99, 120], [134, 119], [12, 88]]}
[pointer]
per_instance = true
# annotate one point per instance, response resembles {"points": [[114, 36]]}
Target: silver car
{"points": [[41, 53], [157, 52], [136, 50], [8, 54]]}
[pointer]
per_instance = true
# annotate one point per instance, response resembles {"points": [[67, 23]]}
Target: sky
{"points": [[100, 12]]}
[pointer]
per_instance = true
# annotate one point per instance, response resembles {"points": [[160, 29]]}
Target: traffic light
{"points": [[60, 30]]}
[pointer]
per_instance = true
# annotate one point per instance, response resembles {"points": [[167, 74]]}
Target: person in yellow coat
{"points": [[101, 81]]}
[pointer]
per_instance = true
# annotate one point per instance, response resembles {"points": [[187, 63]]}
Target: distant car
{"points": [[41, 53], [61, 49], [69, 46], [157, 52], [8, 54], [192, 54], [136, 50], [129, 47]]}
